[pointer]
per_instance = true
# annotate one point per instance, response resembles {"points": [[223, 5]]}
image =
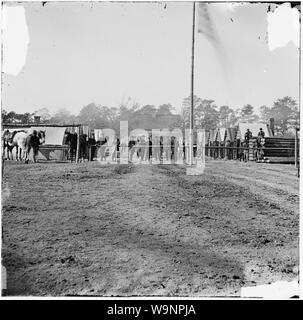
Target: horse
{"points": [[9, 143], [32, 142], [23, 141]]}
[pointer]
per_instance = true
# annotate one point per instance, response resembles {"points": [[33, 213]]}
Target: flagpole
{"points": [[192, 89]]}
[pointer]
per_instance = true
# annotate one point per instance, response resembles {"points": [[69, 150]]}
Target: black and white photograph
{"points": [[150, 150]]}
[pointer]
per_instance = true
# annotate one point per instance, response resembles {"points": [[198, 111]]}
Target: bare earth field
{"points": [[148, 230]]}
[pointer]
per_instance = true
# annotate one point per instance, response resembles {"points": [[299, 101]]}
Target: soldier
{"points": [[261, 133], [247, 136]]}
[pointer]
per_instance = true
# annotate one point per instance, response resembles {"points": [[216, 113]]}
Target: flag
{"points": [[207, 27], [205, 24]]}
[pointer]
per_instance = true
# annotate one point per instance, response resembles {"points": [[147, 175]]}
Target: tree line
{"points": [[207, 114]]}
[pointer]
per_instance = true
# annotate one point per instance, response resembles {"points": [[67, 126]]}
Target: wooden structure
{"points": [[281, 147]]}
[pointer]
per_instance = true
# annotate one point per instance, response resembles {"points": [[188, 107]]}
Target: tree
{"points": [[247, 114], [99, 117], [147, 110], [206, 115], [185, 111], [26, 117], [43, 113], [285, 113], [63, 116], [8, 116], [127, 109], [227, 117], [91, 115], [13, 117], [165, 109]]}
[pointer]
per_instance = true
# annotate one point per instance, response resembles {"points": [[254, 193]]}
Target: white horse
{"points": [[9, 144], [19, 141], [22, 141]]}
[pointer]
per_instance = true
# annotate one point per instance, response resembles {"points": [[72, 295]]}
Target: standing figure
{"points": [[161, 149], [103, 145], [247, 136], [156, 148], [150, 148], [131, 147], [92, 147], [32, 142], [173, 142]]}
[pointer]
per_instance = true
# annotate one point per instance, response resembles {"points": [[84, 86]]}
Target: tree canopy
{"points": [[207, 114]]}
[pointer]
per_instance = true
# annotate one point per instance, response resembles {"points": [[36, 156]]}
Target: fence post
{"points": [[78, 145], [296, 149]]}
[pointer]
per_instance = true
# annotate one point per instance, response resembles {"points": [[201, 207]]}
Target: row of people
{"points": [[158, 148]]}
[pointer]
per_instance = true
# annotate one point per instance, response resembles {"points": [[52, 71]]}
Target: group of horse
{"points": [[23, 142], [19, 144]]}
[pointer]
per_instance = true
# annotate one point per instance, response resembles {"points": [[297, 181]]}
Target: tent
{"points": [[53, 135], [231, 134], [213, 135], [221, 134]]}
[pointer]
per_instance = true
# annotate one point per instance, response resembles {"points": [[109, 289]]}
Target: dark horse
{"points": [[71, 140], [32, 142]]}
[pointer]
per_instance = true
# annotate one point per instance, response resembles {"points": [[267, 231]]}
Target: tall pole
{"points": [[192, 89], [297, 146]]}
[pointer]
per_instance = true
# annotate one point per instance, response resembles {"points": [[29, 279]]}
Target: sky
{"points": [[78, 53]]}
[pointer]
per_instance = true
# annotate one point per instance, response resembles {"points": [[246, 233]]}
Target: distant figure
{"points": [[92, 146], [102, 143], [247, 136], [161, 149], [131, 146], [244, 152], [173, 149], [118, 148], [255, 150], [228, 151], [150, 148], [115, 148], [156, 147], [261, 133], [142, 148], [32, 142], [166, 148]]}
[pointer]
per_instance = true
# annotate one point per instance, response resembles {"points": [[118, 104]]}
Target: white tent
{"points": [[53, 135]]}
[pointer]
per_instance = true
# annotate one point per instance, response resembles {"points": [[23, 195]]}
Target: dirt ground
{"points": [[148, 230]]}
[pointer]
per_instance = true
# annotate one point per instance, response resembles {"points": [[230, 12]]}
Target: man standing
{"points": [[32, 142], [247, 136], [131, 148]]}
